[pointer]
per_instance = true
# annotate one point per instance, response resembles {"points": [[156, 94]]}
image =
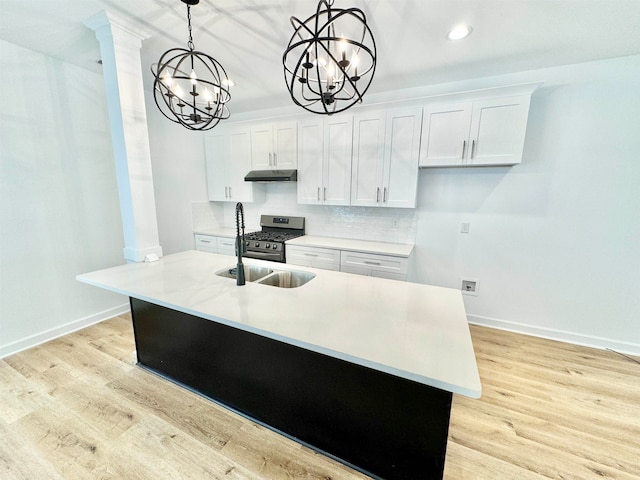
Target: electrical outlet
{"points": [[464, 227], [469, 286]]}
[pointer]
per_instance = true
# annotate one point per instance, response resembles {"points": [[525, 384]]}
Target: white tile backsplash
{"points": [[207, 215], [396, 225]]}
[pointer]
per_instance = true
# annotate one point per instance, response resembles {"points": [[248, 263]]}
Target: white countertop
{"points": [[365, 246], [414, 331], [217, 232]]}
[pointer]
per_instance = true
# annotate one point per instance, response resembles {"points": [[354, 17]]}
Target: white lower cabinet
{"points": [[369, 264], [374, 265], [212, 244], [325, 258]]}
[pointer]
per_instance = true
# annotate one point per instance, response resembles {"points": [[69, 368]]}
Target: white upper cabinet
{"points": [[367, 169], [476, 132], [497, 131], [324, 160], [386, 146], [274, 146], [445, 135], [401, 152], [228, 160]]}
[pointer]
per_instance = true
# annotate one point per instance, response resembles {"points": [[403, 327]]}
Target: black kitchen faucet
{"points": [[240, 243]]}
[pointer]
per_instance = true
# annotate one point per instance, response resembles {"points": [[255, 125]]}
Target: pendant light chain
{"points": [[190, 42]]}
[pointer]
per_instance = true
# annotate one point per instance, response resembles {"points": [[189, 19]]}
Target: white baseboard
{"points": [[47, 335], [560, 335]]}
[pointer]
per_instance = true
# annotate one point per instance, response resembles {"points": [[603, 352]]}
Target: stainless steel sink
{"points": [[287, 279], [251, 272]]}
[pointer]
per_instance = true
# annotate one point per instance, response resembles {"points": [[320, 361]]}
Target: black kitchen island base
{"points": [[385, 426]]}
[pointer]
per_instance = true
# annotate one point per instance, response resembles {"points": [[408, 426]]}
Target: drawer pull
{"points": [[371, 263], [310, 254], [205, 241]]}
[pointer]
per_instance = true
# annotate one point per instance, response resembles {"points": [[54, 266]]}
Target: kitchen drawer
{"points": [[206, 243], [226, 246], [325, 258], [386, 266]]}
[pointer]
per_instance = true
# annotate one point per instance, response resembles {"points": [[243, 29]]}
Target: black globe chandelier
{"points": [[330, 60], [197, 101]]}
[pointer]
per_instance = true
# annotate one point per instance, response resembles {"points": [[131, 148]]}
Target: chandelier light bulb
{"points": [[194, 78]]}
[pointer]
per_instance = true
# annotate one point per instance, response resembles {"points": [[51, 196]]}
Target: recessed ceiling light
{"points": [[459, 32]]}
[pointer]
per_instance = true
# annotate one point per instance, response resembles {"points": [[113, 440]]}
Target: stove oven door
{"points": [[271, 256]]}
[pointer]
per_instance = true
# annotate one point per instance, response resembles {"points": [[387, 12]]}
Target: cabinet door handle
{"points": [[270, 159], [325, 194], [371, 263], [275, 159], [310, 254], [378, 195], [473, 148], [384, 195], [229, 192], [464, 149], [226, 194], [318, 193]]}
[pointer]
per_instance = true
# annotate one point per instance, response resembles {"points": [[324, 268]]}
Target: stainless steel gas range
{"points": [[268, 243]]}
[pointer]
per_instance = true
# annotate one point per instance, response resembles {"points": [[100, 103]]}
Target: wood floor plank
{"points": [[274, 456], [79, 408], [194, 415]]}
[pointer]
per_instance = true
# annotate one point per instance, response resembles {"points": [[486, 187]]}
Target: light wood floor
{"points": [[79, 408]]}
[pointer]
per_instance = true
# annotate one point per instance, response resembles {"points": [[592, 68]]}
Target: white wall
{"points": [[554, 241], [177, 159], [59, 212]]}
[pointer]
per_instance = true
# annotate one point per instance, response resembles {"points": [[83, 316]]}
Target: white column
{"points": [[120, 43]]}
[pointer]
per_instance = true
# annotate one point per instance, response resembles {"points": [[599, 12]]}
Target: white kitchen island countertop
{"points": [[415, 331], [365, 246]]}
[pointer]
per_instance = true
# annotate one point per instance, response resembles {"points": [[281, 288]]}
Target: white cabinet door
{"points": [[261, 146], [479, 133], [285, 145], [310, 160], [216, 154], [228, 160], [401, 152], [368, 158], [206, 243], [336, 173], [498, 129], [274, 146], [324, 160], [239, 165], [226, 246], [386, 147], [325, 258], [445, 135]]}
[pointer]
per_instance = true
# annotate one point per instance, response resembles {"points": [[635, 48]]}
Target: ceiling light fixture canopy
{"points": [[190, 87], [330, 60]]}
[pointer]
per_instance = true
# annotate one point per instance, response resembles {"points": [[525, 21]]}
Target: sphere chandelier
{"points": [[197, 101], [330, 60]]}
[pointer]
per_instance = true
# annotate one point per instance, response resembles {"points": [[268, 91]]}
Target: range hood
{"points": [[271, 176]]}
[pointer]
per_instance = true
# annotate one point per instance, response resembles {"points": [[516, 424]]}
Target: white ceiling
{"points": [[248, 37]]}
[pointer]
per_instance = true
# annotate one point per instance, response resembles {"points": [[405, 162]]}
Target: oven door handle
{"points": [[265, 255]]}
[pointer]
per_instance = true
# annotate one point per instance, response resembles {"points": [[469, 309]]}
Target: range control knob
{"points": [[275, 246], [257, 244], [267, 245]]}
